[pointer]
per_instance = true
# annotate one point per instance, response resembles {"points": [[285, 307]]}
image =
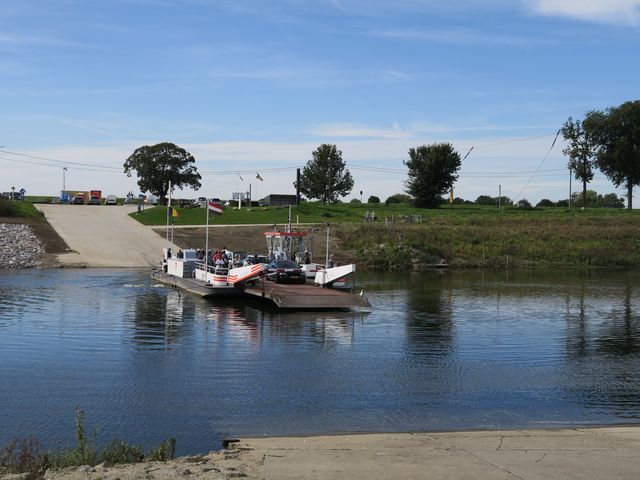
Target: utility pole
{"points": [[499, 197], [570, 175], [64, 170], [297, 186]]}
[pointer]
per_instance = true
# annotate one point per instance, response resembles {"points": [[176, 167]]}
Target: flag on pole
{"points": [[173, 212], [258, 176], [215, 206], [241, 179]]}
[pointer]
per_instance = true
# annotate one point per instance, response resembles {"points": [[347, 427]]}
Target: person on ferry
{"points": [[332, 262], [180, 254], [307, 258]]}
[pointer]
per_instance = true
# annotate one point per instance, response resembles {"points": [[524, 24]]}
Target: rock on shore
{"points": [[19, 247]]}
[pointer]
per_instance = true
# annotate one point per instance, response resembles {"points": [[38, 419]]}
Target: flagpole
{"points": [[206, 240], [168, 210]]}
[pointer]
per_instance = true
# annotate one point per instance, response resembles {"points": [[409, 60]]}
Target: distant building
{"points": [[278, 200]]}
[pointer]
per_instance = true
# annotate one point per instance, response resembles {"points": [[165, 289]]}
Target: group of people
{"points": [[370, 216], [217, 257]]}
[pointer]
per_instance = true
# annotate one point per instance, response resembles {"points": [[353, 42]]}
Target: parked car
{"points": [[111, 200], [77, 200], [94, 201], [285, 271]]}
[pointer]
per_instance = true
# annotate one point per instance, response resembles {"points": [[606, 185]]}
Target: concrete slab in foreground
{"points": [[598, 453], [103, 236]]}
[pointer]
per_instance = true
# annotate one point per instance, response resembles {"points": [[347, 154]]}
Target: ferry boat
{"points": [[209, 281]]}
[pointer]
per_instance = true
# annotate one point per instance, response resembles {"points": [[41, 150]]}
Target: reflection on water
{"points": [[441, 350]]}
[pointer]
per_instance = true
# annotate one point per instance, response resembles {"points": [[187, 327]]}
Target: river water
{"points": [[438, 351]]}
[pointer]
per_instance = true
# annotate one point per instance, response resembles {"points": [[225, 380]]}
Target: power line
{"points": [[61, 161], [56, 166]]}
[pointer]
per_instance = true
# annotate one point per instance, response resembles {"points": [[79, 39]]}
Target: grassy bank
{"points": [[13, 208], [463, 236], [512, 239], [304, 213], [26, 455]]}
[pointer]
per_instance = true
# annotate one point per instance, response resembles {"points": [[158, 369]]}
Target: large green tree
{"points": [[324, 176], [432, 172], [156, 165], [581, 151], [616, 133]]}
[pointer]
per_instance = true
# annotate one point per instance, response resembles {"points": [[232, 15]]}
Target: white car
{"points": [[111, 200]]}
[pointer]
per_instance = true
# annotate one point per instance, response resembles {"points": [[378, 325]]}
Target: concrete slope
{"points": [[104, 236]]}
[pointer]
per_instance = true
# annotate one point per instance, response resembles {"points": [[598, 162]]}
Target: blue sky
{"points": [[253, 85]]}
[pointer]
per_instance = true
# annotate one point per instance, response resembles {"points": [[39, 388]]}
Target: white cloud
{"points": [[492, 162], [350, 130], [623, 12], [460, 36]]}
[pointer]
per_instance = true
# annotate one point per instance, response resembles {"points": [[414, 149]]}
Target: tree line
{"points": [[607, 140]]}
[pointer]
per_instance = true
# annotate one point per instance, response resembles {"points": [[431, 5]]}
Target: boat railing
{"points": [[213, 269], [206, 267]]}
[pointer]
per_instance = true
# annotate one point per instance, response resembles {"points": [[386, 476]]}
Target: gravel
{"points": [[19, 247]]}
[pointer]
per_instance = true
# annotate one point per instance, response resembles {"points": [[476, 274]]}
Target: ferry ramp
{"points": [[103, 236]]}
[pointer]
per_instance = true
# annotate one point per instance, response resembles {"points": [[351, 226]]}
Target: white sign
{"points": [[238, 196]]}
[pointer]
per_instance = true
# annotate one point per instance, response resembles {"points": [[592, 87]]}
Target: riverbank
{"points": [[29, 242], [603, 453], [498, 242], [460, 238]]}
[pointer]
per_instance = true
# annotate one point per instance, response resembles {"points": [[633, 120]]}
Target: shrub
{"points": [[119, 451], [23, 456], [355, 200], [7, 208], [524, 204], [545, 202], [373, 199], [399, 198], [163, 452], [84, 453]]}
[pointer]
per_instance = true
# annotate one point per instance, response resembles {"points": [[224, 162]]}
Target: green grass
{"points": [[28, 456], [514, 238], [312, 212], [15, 208]]}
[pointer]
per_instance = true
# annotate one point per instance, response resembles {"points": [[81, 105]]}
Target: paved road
{"points": [[104, 236]]}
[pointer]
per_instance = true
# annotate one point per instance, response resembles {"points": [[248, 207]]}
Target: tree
{"points": [[581, 151], [324, 176], [611, 200], [156, 165], [616, 133], [545, 202], [432, 173], [373, 199], [399, 198]]}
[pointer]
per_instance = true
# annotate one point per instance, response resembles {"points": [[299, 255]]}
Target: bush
{"points": [[486, 200], [355, 200], [7, 209], [524, 204], [23, 456], [545, 202], [121, 452], [163, 452], [399, 198], [562, 203], [373, 199]]}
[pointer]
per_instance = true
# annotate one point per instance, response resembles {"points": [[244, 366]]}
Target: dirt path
{"points": [[103, 236]]}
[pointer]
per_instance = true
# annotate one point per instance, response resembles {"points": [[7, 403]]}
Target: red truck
{"points": [[95, 197]]}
